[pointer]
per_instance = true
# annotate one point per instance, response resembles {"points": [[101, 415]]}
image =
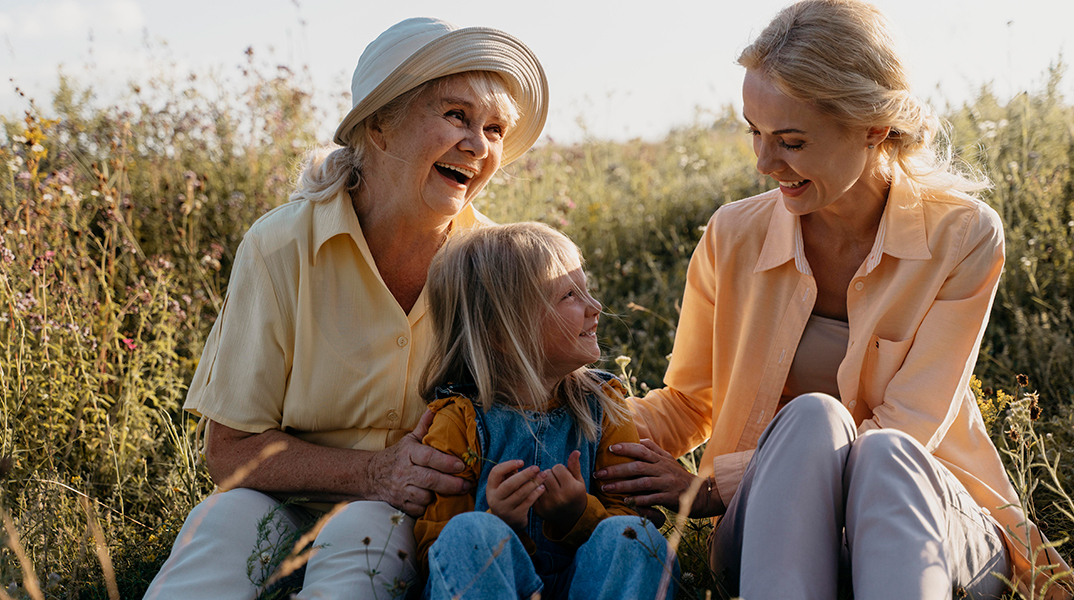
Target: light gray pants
{"points": [[209, 557], [818, 504]]}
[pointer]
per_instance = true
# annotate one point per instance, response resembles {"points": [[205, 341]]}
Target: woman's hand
{"points": [[511, 492], [655, 478], [564, 499], [408, 473]]}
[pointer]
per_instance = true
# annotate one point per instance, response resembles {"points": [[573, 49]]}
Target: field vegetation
{"points": [[118, 225]]}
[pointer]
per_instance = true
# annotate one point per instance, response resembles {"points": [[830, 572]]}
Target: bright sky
{"points": [[626, 68]]}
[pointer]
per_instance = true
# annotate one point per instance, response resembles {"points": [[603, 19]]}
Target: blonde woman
{"points": [[309, 378], [828, 334]]}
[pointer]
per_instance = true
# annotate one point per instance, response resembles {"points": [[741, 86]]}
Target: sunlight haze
{"points": [[624, 69]]}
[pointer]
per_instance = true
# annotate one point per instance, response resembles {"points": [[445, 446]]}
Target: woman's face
{"points": [[446, 148], [570, 329], [815, 160]]}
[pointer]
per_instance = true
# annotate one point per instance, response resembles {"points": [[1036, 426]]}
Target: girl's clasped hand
{"points": [[557, 495]]}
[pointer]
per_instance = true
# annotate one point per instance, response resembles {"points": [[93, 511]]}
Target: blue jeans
{"points": [[478, 556]]}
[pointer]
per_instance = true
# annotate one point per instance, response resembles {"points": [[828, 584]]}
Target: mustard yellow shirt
{"points": [[310, 340], [917, 309]]}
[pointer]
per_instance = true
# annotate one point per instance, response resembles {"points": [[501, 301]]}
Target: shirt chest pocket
{"points": [[883, 359]]}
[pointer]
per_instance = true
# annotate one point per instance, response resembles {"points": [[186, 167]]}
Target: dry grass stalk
{"points": [[297, 558], [686, 501], [29, 581], [495, 553], [102, 549], [231, 482]]}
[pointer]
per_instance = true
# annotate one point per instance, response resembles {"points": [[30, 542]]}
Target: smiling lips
{"points": [[461, 175]]}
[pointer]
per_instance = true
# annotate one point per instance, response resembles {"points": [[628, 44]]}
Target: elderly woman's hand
{"points": [[408, 473], [654, 478]]}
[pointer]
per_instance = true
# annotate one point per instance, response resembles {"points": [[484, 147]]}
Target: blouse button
{"points": [[858, 286], [402, 341], [393, 415], [852, 404]]}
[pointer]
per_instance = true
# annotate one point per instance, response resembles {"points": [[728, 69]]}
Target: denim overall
{"points": [[544, 439]]}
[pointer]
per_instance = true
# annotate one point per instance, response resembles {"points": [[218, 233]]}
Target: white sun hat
{"points": [[417, 50]]}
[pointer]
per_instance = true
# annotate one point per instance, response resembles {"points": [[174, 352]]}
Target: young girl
{"points": [[515, 327]]}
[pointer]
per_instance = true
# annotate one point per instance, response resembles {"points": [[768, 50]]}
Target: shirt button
{"points": [[852, 404], [858, 286], [402, 341], [393, 415]]}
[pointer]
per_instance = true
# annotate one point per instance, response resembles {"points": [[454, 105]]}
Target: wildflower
{"points": [[397, 518], [1034, 408], [1023, 380], [470, 457], [630, 534], [402, 554], [37, 148], [211, 262], [622, 361], [129, 343]]}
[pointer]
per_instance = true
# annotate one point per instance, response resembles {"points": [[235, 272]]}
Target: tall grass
{"points": [[118, 224]]}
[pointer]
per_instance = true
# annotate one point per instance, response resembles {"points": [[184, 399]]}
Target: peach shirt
{"points": [[310, 340], [917, 310]]}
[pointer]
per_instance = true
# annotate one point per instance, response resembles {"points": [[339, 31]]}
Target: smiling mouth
{"points": [[459, 174], [793, 184]]}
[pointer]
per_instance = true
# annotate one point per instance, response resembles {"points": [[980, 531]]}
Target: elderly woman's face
{"points": [[446, 148], [815, 159]]}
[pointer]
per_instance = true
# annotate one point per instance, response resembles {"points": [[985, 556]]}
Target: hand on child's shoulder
{"points": [[454, 431]]}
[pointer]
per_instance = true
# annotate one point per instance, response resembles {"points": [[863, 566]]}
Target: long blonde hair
{"points": [[838, 56], [488, 288], [328, 171]]}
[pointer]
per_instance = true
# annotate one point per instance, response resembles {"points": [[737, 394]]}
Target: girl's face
{"points": [[447, 147], [570, 328], [815, 159]]}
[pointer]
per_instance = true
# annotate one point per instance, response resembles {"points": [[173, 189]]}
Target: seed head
{"points": [[630, 534]]}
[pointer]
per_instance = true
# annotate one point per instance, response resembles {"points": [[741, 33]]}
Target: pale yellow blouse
{"points": [[310, 340]]}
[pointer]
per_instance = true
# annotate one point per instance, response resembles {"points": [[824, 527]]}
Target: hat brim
{"points": [[459, 51]]}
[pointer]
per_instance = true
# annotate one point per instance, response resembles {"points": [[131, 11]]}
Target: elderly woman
{"points": [[828, 334], [309, 379]]}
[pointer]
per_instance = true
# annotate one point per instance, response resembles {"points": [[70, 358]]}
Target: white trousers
{"points": [[818, 505], [209, 557]]}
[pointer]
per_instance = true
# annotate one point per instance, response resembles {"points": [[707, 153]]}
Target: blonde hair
{"points": [[486, 286], [328, 171], [838, 56]]}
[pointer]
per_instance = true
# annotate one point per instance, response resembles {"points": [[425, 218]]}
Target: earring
{"points": [[871, 146]]}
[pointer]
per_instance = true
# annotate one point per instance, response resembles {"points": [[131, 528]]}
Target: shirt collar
{"points": [[337, 217], [901, 233]]}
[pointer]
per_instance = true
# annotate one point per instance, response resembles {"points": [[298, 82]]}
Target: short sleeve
{"points": [[242, 377]]}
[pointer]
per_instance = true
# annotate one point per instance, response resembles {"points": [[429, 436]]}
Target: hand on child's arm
{"points": [[565, 498], [511, 492]]}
